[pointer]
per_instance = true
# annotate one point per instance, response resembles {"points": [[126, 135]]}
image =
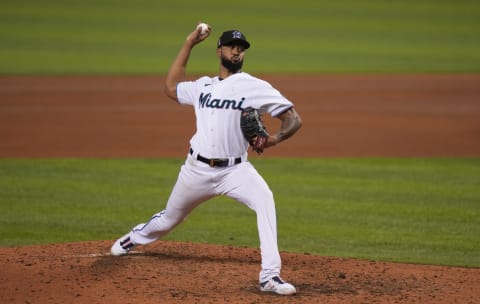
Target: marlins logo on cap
{"points": [[229, 37]]}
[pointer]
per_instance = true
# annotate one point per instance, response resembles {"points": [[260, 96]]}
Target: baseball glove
{"points": [[253, 129]]}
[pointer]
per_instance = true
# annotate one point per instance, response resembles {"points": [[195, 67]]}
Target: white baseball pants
{"points": [[198, 182]]}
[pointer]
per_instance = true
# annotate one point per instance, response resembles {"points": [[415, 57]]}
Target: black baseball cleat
{"points": [[278, 286]]}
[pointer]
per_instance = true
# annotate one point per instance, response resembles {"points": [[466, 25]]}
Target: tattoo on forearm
{"points": [[290, 124]]}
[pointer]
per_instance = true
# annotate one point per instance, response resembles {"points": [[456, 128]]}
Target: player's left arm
{"points": [[290, 124]]}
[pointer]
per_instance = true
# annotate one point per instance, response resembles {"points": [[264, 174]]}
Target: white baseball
{"points": [[204, 28]]}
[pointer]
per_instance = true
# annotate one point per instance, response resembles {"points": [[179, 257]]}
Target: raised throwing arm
{"points": [[177, 71]]}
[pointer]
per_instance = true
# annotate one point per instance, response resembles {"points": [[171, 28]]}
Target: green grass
{"points": [[405, 210], [303, 36]]}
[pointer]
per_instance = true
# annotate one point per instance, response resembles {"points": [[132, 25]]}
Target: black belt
{"points": [[216, 162]]}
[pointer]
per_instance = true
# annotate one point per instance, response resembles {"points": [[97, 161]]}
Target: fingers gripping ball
{"points": [[253, 129], [204, 28]]}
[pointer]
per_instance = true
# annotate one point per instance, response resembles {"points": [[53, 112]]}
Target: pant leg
{"points": [[245, 185], [191, 189]]}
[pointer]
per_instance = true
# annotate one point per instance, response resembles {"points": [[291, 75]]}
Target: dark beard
{"points": [[232, 67]]}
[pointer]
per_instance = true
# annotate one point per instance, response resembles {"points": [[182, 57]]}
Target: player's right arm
{"points": [[177, 72]]}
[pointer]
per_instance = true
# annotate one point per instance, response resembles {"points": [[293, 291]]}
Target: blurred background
{"points": [[142, 37]]}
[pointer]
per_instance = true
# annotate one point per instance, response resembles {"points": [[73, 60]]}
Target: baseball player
{"points": [[216, 162]]}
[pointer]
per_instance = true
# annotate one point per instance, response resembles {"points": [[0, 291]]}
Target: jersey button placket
{"points": [[212, 126]]}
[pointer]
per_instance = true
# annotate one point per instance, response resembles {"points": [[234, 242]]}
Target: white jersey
{"points": [[218, 104]]}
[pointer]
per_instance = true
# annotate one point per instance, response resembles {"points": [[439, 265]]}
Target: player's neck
{"points": [[224, 73]]}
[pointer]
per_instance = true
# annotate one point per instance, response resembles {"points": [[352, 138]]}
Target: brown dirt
{"points": [[401, 115], [173, 272], [406, 115]]}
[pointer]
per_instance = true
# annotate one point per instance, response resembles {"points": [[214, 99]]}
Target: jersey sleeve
{"points": [[270, 100], [186, 92]]}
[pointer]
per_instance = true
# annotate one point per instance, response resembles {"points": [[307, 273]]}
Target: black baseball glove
{"points": [[253, 129]]}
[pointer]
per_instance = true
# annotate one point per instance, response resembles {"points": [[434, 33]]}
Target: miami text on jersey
{"points": [[207, 101]]}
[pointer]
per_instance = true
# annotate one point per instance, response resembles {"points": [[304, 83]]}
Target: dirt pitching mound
{"points": [[173, 272]]}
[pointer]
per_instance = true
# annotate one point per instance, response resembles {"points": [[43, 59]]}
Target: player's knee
{"points": [[264, 201]]}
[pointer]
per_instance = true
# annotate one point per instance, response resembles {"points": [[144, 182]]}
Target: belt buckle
{"points": [[215, 162]]}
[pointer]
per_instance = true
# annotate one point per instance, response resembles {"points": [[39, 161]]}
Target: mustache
{"points": [[232, 66]]}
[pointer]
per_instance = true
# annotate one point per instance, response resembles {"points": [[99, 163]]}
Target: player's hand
{"points": [[196, 36]]}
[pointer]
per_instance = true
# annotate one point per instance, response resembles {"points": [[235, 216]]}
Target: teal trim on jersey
{"points": [[303, 36], [405, 210]]}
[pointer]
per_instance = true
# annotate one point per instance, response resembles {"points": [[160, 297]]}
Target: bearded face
{"points": [[232, 57], [232, 65]]}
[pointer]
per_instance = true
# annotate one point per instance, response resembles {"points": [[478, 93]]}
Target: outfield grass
{"points": [[405, 210], [303, 36]]}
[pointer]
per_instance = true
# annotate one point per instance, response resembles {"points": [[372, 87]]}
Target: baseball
{"points": [[204, 27]]}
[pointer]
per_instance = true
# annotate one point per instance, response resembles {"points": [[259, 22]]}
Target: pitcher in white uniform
{"points": [[217, 162]]}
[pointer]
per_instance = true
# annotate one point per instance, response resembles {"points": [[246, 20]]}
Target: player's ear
{"points": [[219, 52]]}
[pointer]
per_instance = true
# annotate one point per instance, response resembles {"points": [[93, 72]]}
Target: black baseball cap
{"points": [[231, 36]]}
